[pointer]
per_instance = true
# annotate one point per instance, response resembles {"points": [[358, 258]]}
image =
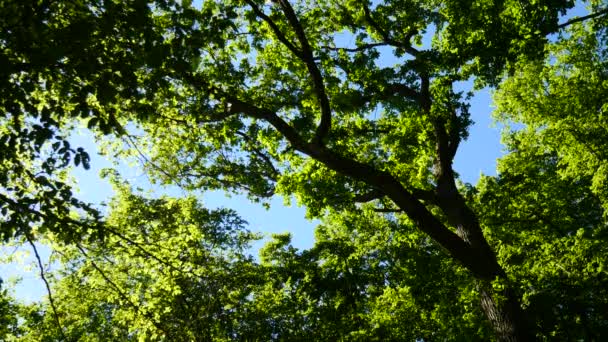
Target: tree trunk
{"points": [[501, 307], [504, 312], [467, 245]]}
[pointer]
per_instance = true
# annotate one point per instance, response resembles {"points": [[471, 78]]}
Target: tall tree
{"points": [[266, 97]]}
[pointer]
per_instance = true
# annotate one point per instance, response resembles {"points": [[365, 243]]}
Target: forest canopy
{"points": [[267, 98]]}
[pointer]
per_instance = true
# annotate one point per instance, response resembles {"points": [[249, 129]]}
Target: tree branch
{"points": [[308, 58], [426, 195], [369, 196], [294, 138], [386, 36], [385, 183], [121, 293], [388, 210], [260, 154], [404, 91], [583, 18], [474, 258], [280, 36], [48, 286], [357, 49], [215, 117], [228, 183]]}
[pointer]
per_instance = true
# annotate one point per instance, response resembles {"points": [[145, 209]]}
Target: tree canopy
{"points": [[351, 108]]}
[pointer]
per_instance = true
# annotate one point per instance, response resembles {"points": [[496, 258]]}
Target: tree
{"points": [[265, 98], [364, 280], [557, 163], [170, 269]]}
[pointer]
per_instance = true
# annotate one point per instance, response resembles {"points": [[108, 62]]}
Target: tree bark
{"points": [[504, 312], [502, 308], [467, 245]]}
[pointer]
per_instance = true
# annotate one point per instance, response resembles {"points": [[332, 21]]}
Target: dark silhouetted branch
{"points": [[308, 58], [583, 18], [275, 29], [369, 196], [386, 36], [48, 286]]}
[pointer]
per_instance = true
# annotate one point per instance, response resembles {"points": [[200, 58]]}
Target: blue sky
{"points": [[475, 156]]}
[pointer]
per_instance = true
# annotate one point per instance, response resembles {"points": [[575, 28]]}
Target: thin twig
{"points": [[121, 293], [259, 153], [147, 161], [48, 287], [386, 36]]}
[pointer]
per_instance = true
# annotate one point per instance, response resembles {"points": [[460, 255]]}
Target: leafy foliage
{"points": [[168, 268], [267, 97]]}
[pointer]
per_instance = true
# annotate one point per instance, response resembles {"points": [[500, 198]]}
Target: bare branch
{"points": [[426, 195], [388, 210], [403, 90], [48, 286], [583, 18]]}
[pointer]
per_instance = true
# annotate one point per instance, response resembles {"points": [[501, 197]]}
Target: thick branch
{"points": [[426, 195], [238, 106], [583, 18], [369, 196], [305, 54], [423, 195], [425, 93], [475, 259], [359, 48], [389, 91], [476, 262], [280, 36], [386, 36], [308, 58], [388, 210], [402, 90], [446, 145], [385, 183]]}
